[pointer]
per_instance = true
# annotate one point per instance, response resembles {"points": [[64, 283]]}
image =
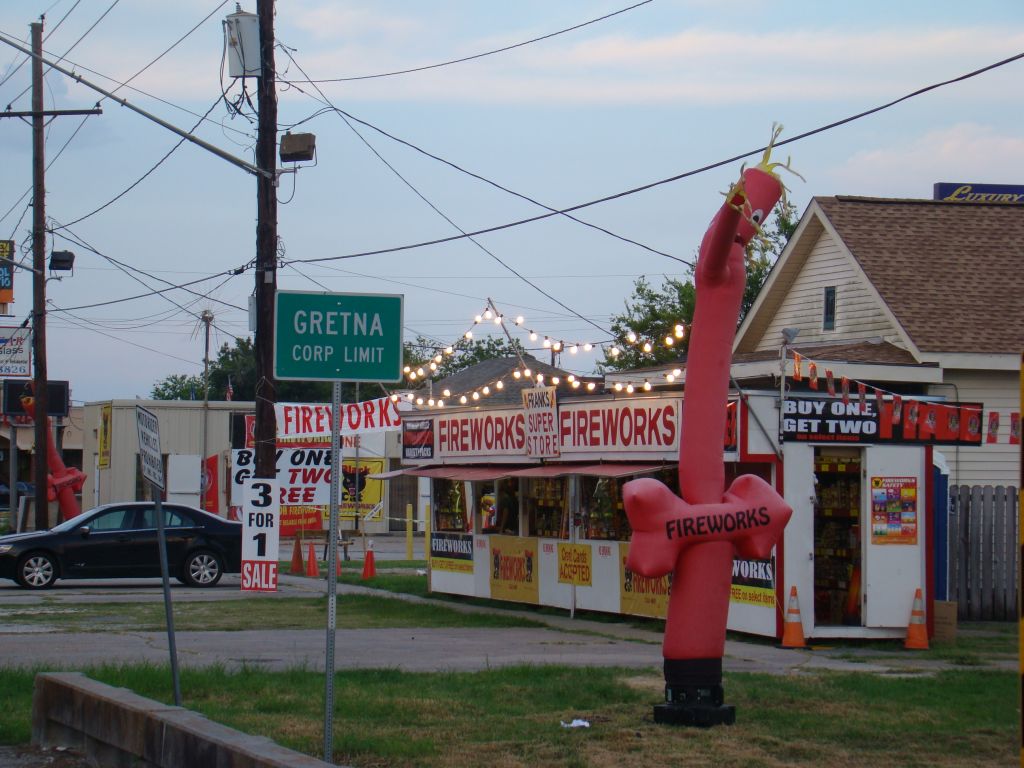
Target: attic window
{"points": [[828, 317]]}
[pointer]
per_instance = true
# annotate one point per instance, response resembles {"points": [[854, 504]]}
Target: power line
{"points": [[130, 270], [143, 177], [670, 179], [474, 56], [73, 45], [125, 341], [441, 213]]}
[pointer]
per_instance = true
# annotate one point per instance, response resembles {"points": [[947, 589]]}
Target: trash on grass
{"points": [[577, 723]]}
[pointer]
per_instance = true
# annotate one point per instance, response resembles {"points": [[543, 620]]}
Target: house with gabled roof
{"points": [[914, 295]]}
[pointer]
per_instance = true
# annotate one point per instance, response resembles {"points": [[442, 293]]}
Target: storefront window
{"points": [[450, 505], [498, 504], [546, 507], [602, 513]]}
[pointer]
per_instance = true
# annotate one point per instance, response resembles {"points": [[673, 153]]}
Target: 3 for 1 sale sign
{"points": [[260, 535]]}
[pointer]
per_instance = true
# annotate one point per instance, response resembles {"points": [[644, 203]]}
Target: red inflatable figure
{"points": [[63, 482], [696, 537]]}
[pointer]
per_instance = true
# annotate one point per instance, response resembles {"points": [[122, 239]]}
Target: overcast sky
{"points": [[651, 93]]}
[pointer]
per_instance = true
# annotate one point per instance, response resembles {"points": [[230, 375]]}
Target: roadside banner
{"points": [[260, 536]]}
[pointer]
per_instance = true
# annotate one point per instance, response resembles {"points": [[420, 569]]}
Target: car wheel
{"points": [[202, 569], [36, 570]]}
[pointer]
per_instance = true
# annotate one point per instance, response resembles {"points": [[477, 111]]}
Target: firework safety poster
{"points": [[894, 510]]}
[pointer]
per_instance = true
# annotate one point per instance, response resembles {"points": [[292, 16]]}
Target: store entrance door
{"points": [[837, 536]]}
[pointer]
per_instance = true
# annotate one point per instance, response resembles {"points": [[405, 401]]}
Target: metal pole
{"points": [[12, 475], [207, 318], [266, 246], [168, 608], [358, 495], [332, 572], [39, 392]]}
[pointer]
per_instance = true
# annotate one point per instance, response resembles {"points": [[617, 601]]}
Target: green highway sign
{"points": [[337, 336]]}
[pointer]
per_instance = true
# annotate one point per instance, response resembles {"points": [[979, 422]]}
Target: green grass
{"points": [[354, 612], [511, 717]]}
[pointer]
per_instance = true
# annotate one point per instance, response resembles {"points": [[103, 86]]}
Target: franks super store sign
{"points": [[638, 426]]}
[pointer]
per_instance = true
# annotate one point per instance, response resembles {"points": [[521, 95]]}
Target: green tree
{"points": [[178, 386], [653, 313]]}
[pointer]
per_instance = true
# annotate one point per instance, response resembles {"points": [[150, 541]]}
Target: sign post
{"points": [[336, 337], [153, 470]]}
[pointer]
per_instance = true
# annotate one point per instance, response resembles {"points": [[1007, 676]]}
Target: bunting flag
{"points": [[830, 382], [798, 375], [897, 409], [812, 375], [973, 424], [953, 420], [993, 427], [844, 387], [913, 412], [862, 396], [1015, 429]]}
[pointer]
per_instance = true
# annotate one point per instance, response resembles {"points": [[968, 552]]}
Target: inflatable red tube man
{"points": [[696, 537], [63, 482]]}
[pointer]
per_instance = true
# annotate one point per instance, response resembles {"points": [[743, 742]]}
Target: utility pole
{"points": [[42, 421], [266, 246], [38, 269]]}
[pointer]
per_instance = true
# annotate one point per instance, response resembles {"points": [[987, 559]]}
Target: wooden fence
{"points": [[983, 552]]}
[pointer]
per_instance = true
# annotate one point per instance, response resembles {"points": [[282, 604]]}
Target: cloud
{"points": [[962, 152]]}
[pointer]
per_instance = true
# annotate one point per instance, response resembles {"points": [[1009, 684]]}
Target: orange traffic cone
{"points": [[297, 567], [793, 628], [369, 568], [312, 567], [917, 632]]}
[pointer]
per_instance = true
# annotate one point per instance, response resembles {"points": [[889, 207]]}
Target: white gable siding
{"points": [[858, 313], [997, 464]]}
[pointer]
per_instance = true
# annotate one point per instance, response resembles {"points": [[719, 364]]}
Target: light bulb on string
{"points": [[540, 378], [547, 343], [571, 377], [412, 375], [574, 349], [556, 380], [669, 341], [520, 319], [677, 372], [647, 346], [527, 372], [469, 334], [647, 386], [499, 384], [614, 351], [433, 365], [478, 319], [407, 369], [463, 400], [575, 384], [680, 331], [591, 386], [498, 320], [670, 377], [447, 392], [618, 386], [438, 358], [419, 401], [516, 374], [487, 315], [449, 350], [476, 395], [587, 347], [533, 336], [557, 346], [430, 402], [631, 337], [629, 389], [440, 403], [486, 390], [394, 398], [409, 396]]}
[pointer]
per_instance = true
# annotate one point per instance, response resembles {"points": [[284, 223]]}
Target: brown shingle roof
{"points": [[951, 273]]}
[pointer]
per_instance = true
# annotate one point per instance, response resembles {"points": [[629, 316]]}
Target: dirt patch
{"points": [[33, 757]]}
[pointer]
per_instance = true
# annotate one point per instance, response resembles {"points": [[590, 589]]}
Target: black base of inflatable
{"points": [[697, 716], [694, 695]]}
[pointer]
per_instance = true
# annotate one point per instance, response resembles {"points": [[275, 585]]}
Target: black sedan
{"points": [[120, 541]]}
